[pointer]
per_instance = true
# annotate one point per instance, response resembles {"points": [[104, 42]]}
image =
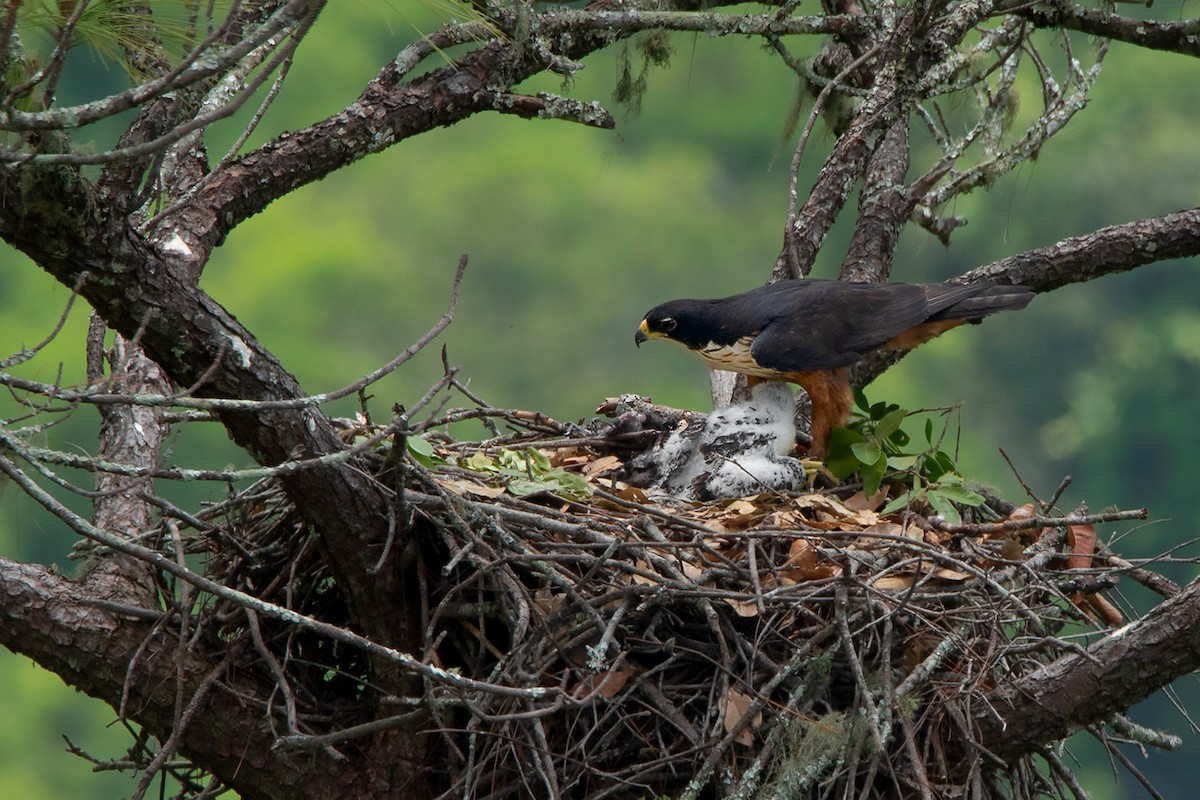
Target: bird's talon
{"points": [[814, 468]]}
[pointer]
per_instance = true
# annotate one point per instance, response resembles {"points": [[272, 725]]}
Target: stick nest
{"points": [[782, 645]]}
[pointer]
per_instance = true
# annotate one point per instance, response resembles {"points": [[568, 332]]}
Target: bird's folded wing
{"points": [[832, 325]]}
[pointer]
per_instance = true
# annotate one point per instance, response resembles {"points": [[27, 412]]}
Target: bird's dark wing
{"points": [[822, 325]]}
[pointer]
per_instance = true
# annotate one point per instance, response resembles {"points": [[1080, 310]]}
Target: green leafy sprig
{"points": [[876, 448]]}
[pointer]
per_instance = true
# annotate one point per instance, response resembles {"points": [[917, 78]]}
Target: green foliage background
{"points": [[574, 232]]}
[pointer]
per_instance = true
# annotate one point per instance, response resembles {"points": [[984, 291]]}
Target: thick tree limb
{"points": [[1117, 248], [201, 345], [382, 116], [104, 654], [884, 206], [1180, 36], [1120, 670], [806, 232], [132, 436], [386, 113], [707, 22]]}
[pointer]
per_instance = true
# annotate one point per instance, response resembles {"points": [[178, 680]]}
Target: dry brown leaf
{"points": [[825, 525], [885, 528], [898, 581], [716, 526], [801, 555], [606, 684], [569, 457], [1012, 549], [643, 579], [548, 603], [741, 514], [600, 466], [743, 506], [819, 503], [614, 681], [802, 564], [1082, 541], [808, 500], [461, 486], [829, 509], [938, 538], [1102, 609], [785, 520], [690, 571], [744, 608], [865, 518], [817, 573], [710, 556], [947, 574], [1021, 513], [634, 495], [1024, 512], [736, 706], [916, 649], [860, 502]]}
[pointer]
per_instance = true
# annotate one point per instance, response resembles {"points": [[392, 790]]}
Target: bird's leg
{"points": [[831, 399]]}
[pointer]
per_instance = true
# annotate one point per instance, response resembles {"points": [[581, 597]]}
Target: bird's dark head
{"points": [[676, 321]]}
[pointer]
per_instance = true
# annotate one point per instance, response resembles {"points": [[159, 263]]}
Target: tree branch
{"points": [[191, 70], [132, 436], [1180, 36], [884, 206], [385, 114], [41, 610], [1078, 690], [1117, 248], [200, 344]]}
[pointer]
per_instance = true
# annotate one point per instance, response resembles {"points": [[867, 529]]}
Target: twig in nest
{"points": [[1034, 522]]}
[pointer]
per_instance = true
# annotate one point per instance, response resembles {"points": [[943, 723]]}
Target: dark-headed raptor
{"points": [[810, 332]]}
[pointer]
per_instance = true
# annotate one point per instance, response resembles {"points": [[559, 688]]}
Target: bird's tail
{"points": [[971, 302]]}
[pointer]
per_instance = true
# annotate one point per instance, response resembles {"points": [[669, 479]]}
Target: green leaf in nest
{"points": [[960, 494], [538, 461], [479, 462], [522, 486], [840, 460], [897, 504], [872, 475], [422, 451], [944, 508], [554, 482], [866, 452], [890, 423]]}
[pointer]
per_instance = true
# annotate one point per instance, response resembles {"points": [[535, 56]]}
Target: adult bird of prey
{"points": [[810, 332]]}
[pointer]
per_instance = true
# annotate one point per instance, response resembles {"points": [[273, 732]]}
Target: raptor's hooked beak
{"points": [[643, 333]]}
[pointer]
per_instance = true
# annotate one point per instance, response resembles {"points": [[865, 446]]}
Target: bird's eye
{"points": [[667, 324]]}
